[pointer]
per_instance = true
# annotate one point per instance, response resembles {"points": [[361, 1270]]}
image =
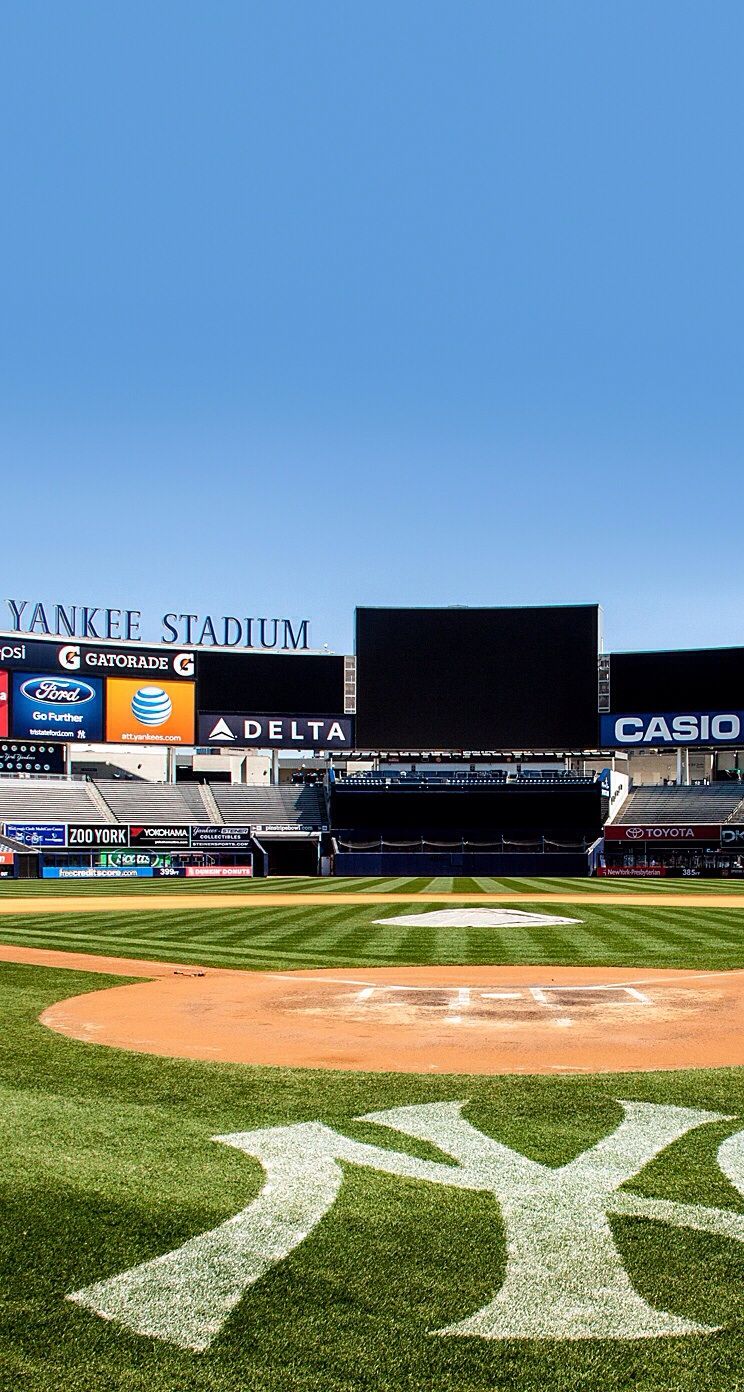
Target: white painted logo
{"points": [[476, 918], [564, 1277]]}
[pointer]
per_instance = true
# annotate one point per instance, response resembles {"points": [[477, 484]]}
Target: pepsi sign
{"points": [[670, 730], [47, 705]]}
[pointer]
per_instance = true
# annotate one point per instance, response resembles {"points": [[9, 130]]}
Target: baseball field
{"points": [[516, 1162]]}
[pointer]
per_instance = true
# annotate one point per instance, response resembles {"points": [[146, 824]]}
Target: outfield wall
{"points": [[432, 863]]}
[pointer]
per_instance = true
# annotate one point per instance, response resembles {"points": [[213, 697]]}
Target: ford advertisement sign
{"points": [[671, 729], [49, 706]]}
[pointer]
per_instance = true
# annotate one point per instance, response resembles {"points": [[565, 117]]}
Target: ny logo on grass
{"points": [[564, 1277]]}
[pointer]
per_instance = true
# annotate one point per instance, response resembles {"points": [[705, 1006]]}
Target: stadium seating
{"points": [[171, 804], [47, 801], [713, 803], [382, 778], [287, 805], [154, 802]]}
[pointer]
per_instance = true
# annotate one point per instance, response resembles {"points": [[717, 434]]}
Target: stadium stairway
{"points": [[101, 803], [203, 807]]}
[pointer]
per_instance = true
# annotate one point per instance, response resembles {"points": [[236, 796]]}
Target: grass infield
{"points": [[106, 1161]]}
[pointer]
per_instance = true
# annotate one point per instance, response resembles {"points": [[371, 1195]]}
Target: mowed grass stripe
{"points": [[345, 934]]}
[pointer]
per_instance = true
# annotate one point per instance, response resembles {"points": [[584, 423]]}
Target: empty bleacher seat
{"points": [[718, 802], [168, 803], [46, 801], [288, 805]]}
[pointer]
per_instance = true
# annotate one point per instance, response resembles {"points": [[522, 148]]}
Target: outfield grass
{"points": [[267, 937], [441, 884]]}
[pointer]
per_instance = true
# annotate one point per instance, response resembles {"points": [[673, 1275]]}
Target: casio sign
{"points": [[670, 729]]}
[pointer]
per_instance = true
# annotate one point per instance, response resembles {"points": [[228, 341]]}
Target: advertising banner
{"points": [[48, 836], [24, 654], [24, 756], [277, 731], [671, 729], [6, 857], [140, 662], [61, 708], [4, 728], [638, 872], [94, 872], [670, 835], [214, 872], [154, 836], [124, 860], [143, 713], [86, 836], [221, 838], [732, 837]]}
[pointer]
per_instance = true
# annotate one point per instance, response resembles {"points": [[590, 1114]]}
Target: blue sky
{"points": [[303, 306]]}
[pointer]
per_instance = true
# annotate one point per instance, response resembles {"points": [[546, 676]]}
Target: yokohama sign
{"points": [[672, 834]]}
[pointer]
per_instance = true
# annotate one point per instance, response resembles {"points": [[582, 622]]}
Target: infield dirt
{"points": [[454, 1019]]}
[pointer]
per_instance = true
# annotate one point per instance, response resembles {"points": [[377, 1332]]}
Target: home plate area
{"points": [[449, 1019]]}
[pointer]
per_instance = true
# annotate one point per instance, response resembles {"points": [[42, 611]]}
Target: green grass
{"points": [[268, 937], [468, 884], [106, 1161]]}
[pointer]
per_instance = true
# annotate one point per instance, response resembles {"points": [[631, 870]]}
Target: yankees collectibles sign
{"points": [[564, 1276]]}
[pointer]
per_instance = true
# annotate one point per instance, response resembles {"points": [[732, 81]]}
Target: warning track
{"points": [[136, 903]]}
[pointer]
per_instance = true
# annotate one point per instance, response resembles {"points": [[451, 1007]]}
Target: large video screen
{"points": [[703, 679], [477, 679], [274, 683]]}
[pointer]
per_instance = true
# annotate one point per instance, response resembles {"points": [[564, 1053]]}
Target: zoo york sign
{"points": [[564, 1277]]}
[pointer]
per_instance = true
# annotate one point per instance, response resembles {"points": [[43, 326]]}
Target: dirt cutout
{"points": [[484, 1019]]}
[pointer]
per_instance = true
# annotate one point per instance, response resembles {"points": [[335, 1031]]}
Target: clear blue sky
{"points": [[304, 305]]}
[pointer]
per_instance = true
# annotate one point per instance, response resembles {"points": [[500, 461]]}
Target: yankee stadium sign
{"points": [[93, 622]]}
